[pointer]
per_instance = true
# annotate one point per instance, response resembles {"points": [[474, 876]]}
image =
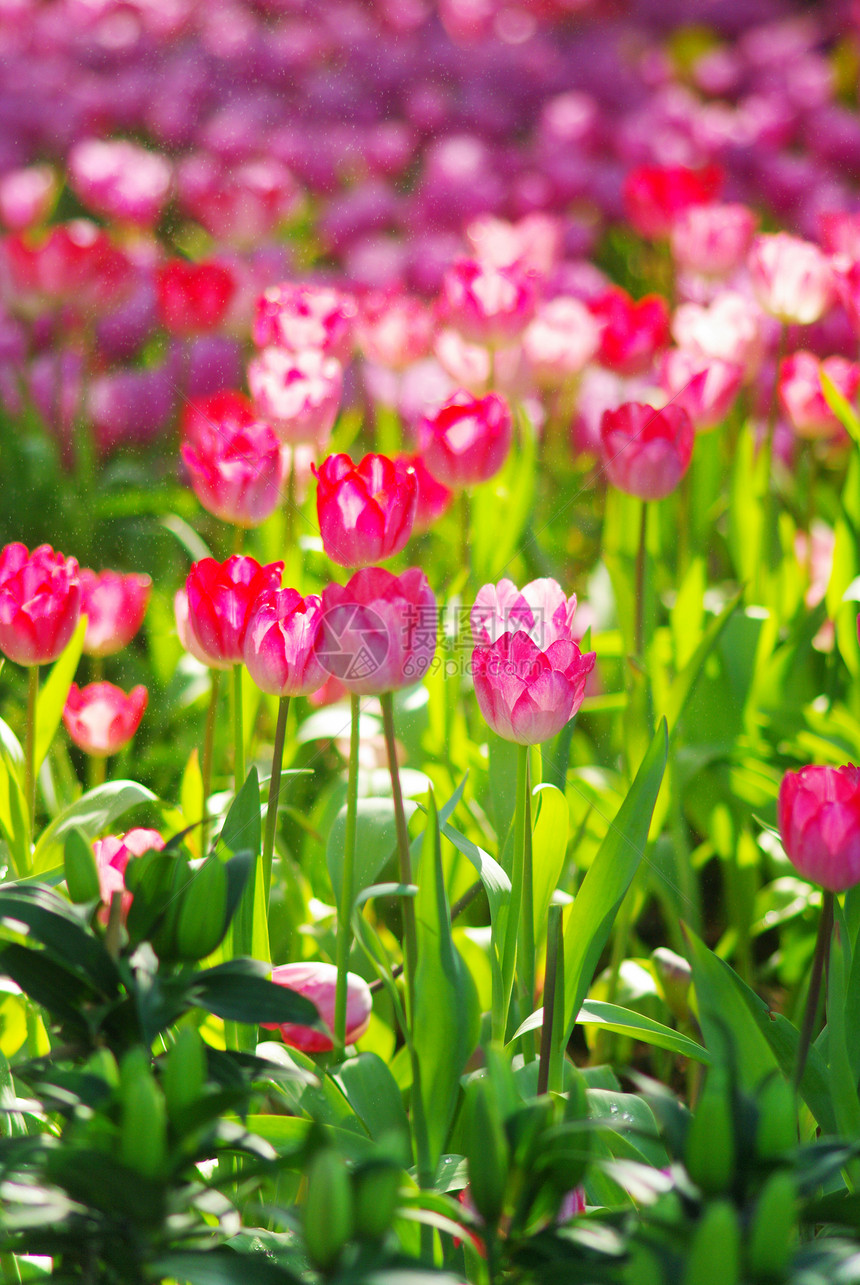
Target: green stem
{"points": [[639, 590], [767, 545], [550, 1074], [96, 771], [274, 791], [822, 948], [238, 730], [465, 528], [526, 949], [30, 744], [347, 893], [208, 749]]}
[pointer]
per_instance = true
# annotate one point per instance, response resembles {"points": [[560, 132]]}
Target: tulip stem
{"points": [[238, 730], [639, 590], [274, 792], [96, 771], [522, 874], [208, 747], [347, 890], [30, 744], [822, 947]]}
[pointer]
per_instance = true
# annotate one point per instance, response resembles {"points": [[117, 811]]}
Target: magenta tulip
{"points": [[379, 631], [366, 511], [300, 316], [526, 694], [487, 304], [467, 440], [114, 605], [101, 718], [280, 642], [237, 472], [819, 821], [40, 603], [317, 982], [220, 599], [646, 452], [540, 609]]}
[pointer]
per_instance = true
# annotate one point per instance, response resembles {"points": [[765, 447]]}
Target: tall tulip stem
{"points": [[238, 730], [639, 590], [208, 750], [347, 891], [822, 947], [274, 791], [524, 877], [404, 855], [30, 743]]}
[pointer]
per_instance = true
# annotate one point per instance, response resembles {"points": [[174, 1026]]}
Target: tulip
{"points": [[477, 368], [802, 398], [74, 263], [633, 332], [791, 278], [112, 855], [40, 603], [539, 609], [705, 389], [819, 821], [114, 605], [712, 240], [467, 440], [366, 510], [434, 499], [241, 205], [525, 693], [26, 196], [378, 631], [101, 718], [120, 180], [646, 452], [220, 600], [300, 317], [847, 277], [536, 242], [237, 473], [279, 650], [728, 329], [193, 297], [561, 340], [656, 195], [298, 393], [394, 329], [486, 304], [317, 982]]}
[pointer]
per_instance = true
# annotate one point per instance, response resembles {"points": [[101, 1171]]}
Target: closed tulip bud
{"points": [[40, 603], [376, 1188], [674, 976], [467, 440], [317, 982], [193, 297], [101, 718], [819, 822], [773, 1233], [365, 510], [280, 643], [379, 631], [776, 1124], [221, 597], [114, 605], [655, 196], [791, 278], [237, 475], [646, 452]]}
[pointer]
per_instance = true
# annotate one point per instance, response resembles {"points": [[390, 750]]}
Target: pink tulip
{"points": [[394, 329], [184, 631], [802, 398], [193, 297], [633, 331], [221, 598], [560, 341], [101, 718], [112, 855], [487, 305], [540, 609], [114, 605], [646, 452], [846, 273], [299, 316], [467, 440], [791, 278], [40, 603], [120, 180], [366, 510], [527, 694], [713, 240], [379, 631], [298, 393], [433, 499], [819, 821], [728, 329], [74, 263], [236, 469], [317, 982], [476, 368], [26, 196], [280, 643], [535, 243], [706, 389], [655, 196], [241, 205]]}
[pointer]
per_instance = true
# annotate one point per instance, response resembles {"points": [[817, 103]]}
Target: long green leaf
{"points": [[549, 847], [92, 813], [625, 1021], [52, 697], [608, 878]]}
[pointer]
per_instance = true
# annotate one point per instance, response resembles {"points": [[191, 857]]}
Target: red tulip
{"points": [[74, 263], [280, 642], [656, 195], [193, 297], [317, 982], [467, 440], [365, 510], [40, 603], [236, 471], [527, 694], [378, 631], [633, 332], [434, 498], [101, 718], [819, 821], [646, 452], [114, 605], [220, 598]]}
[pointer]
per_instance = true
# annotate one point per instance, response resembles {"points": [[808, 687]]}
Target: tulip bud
{"points": [[328, 1215], [674, 977], [819, 822], [82, 876], [646, 452], [776, 1125]]}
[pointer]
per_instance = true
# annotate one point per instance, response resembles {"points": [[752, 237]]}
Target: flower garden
{"points": [[430, 690]]}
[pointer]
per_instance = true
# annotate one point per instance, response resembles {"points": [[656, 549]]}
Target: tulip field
{"points": [[429, 653]]}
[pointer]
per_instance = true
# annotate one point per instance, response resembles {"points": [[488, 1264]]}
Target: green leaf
{"points": [[52, 922], [93, 813], [375, 839], [242, 832], [841, 407], [240, 991], [682, 687], [608, 878], [52, 697], [13, 809], [221, 1266], [48, 983], [371, 1090], [549, 846], [446, 1020], [625, 1021]]}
